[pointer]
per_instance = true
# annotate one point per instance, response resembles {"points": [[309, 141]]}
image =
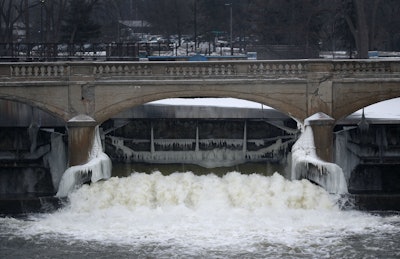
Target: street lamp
{"points": [[195, 26], [41, 20], [231, 29], [41, 29]]}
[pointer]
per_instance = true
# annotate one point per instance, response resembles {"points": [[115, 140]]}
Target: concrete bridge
{"points": [[85, 94]]}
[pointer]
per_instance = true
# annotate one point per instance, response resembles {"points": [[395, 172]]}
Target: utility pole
{"points": [[27, 27], [231, 27], [42, 45], [195, 26]]}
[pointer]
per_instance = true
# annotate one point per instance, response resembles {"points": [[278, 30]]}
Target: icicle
{"points": [[329, 175], [363, 125], [33, 132], [98, 167], [245, 137], [57, 158], [197, 139], [152, 148]]}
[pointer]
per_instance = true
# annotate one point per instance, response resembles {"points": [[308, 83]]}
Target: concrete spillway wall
{"points": [[370, 157], [205, 142], [32, 159], [14, 114]]}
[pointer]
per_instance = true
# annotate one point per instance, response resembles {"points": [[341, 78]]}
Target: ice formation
{"points": [[346, 152], [57, 158], [220, 152], [98, 167], [306, 164]]}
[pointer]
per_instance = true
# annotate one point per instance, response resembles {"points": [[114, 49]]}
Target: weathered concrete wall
{"points": [[188, 141], [370, 158], [17, 114], [23, 168]]}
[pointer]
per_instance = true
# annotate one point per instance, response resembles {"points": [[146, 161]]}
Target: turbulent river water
{"points": [[183, 215]]}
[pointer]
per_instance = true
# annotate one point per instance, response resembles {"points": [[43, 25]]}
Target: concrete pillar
{"points": [[81, 130], [322, 126]]}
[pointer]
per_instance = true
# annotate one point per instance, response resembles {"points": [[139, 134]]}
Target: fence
{"points": [[81, 51]]}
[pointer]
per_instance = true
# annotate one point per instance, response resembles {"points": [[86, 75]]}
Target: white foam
{"points": [[201, 192], [192, 212]]}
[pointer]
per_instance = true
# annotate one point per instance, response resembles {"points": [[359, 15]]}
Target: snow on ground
{"points": [[219, 102], [389, 109]]}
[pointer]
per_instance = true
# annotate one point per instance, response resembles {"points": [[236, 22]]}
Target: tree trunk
{"points": [[362, 32]]}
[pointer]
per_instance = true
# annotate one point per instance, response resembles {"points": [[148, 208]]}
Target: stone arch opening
{"points": [[274, 100], [35, 140], [190, 135], [367, 148], [364, 101], [47, 111], [385, 109], [20, 113]]}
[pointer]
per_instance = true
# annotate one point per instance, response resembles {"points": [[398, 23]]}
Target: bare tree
{"points": [[55, 13], [363, 25], [10, 13]]}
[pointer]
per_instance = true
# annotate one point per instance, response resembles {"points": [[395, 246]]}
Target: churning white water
{"points": [[207, 216]]}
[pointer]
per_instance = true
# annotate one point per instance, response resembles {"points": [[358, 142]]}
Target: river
{"points": [[183, 215]]}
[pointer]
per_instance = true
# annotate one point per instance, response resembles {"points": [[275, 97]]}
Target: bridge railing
{"points": [[78, 51], [208, 69]]}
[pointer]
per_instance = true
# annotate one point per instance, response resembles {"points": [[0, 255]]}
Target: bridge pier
{"points": [[81, 130], [322, 126]]}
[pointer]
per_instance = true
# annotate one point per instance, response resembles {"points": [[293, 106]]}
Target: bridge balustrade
{"points": [[208, 69]]}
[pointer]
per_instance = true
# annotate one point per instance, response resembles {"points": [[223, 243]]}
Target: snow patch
{"points": [[215, 102], [82, 117], [98, 167]]}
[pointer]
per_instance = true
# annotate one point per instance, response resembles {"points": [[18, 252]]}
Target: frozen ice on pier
{"points": [[97, 168], [306, 164]]}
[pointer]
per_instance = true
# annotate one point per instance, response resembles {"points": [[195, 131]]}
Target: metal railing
{"points": [[78, 51]]}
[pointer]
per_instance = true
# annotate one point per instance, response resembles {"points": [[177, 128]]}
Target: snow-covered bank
{"points": [[98, 167]]}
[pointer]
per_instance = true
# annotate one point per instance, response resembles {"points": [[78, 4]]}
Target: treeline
{"points": [[352, 25]]}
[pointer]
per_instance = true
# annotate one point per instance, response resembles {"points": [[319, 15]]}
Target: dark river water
{"points": [[183, 215]]}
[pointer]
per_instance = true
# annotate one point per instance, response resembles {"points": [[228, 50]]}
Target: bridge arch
{"points": [[371, 94], [133, 100], [383, 109], [53, 111]]}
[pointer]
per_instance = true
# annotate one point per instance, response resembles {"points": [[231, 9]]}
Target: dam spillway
{"points": [[34, 151], [207, 136], [162, 134]]}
